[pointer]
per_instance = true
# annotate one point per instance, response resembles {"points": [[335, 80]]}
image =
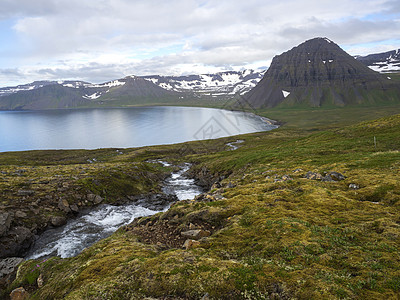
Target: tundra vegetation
{"points": [[306, 211]]}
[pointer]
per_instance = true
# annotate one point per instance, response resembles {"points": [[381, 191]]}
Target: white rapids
{"points": [[100, 222]]}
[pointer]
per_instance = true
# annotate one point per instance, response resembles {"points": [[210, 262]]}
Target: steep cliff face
{"points": [[316, 73]]}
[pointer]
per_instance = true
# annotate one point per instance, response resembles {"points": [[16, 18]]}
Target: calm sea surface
{"points": [[120, 127]]}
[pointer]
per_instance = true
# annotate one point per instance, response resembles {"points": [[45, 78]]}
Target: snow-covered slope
{"points": [[25, 87], [386, 62], [223, 83], [214, 85]]}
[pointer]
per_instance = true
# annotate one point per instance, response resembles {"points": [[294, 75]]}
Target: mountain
{"points": [[386, 62], [319, 73], [25, 87], [223, 83], [70, 94], [131, 90]]}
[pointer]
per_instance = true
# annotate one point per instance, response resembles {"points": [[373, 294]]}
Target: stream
{"points": [[100, 222]]}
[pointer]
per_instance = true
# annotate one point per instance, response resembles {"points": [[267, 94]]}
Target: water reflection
{"points": [[120, 127]]}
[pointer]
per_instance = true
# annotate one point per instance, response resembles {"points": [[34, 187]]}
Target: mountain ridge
{"points": [[130, 90], [319, 73], [384, 62]]}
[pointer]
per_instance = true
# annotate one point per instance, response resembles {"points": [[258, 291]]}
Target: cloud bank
{"points": [[102, 40]]}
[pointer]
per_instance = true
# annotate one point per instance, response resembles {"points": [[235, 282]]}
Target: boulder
{"points": [[16, 242], [156, 201], [336, 176], [189, 244], [64, 205], [90, 197], [40, 281], [354, 186], [19, 294], [286, 178], [20, 214], [25, 192], [96, 199], [74, 208], [8, 270], [5, 222], [327, 178], [313, 176], [58, 221], [196, 234]]}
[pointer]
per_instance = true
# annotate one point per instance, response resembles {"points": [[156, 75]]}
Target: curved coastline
{"points": [[124, 128]]}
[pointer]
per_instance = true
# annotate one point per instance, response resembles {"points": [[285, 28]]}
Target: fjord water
{"points": [[120, 127]]}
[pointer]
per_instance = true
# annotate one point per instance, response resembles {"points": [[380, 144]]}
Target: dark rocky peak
{"points": [[316, 73], [318, 62]]}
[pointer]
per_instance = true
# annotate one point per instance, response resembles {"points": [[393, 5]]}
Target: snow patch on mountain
{"points": [[93, 96], [223, 83], [285, 93], [216, 85], [25, 87], [109, 84], [386, 62]]}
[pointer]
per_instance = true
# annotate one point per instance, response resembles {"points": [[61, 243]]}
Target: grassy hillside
{"points": [[274, 233]]}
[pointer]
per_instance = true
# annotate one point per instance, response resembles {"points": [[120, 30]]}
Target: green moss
{"points": [[275, 234]]}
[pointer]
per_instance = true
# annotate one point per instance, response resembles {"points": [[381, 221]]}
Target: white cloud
{"points": [[108, 39]]}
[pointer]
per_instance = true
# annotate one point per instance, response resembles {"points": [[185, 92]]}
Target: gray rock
{"points": [[90, 197], [16, 242], [354, 186], [155, 201], [327, 178], [97, 199], [25, 192], [20, 214], [58, 221], [313, 176], [5, 222], [336, 176], [8, 270], [74, 208], [64, 205], [196, 234], [189, 244]]}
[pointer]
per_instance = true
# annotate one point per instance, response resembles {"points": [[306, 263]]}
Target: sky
{"points": [[102, 40]]}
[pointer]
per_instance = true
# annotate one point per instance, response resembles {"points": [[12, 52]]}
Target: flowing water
{"points": [[100, 222]]}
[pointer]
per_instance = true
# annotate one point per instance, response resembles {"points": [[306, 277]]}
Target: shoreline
{"points": [[264, 120]]}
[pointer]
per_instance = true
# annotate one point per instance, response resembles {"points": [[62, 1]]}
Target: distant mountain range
{"points": [[319, 73], [315, 73], [386, 62], [131, 90]]}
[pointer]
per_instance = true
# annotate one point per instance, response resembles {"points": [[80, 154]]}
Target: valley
{"points": [[304, 231], [309, 210]]}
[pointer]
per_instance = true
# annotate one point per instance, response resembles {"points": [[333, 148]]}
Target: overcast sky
{"points": [[101, 40]]}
